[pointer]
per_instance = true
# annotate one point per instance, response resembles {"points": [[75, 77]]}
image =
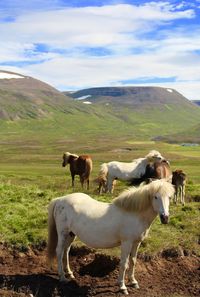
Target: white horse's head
{"points": [[154, 156], [161, 191], [155, 195]]}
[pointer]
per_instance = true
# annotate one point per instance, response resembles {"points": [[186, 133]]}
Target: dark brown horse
{"points": [[179, 182], [79, 165], [157, 170]]}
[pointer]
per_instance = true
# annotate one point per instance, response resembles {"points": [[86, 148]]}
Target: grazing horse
{"points": [[179, 181], [102, 179], [79, 165], [125, 222], [157, 170], [126, 171]]}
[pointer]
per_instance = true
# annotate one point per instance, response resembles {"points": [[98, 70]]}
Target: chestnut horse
{"points": [[79, 165], [157, 170], [179, 181]]}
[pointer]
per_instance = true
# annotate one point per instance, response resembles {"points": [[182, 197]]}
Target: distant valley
{"points": [[128, 112]]}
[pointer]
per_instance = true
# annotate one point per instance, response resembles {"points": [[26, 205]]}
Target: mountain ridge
{"points": [[136, 95]]}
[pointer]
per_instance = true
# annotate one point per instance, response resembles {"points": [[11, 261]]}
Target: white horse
{"points": [[124, 222], [126, 171]]}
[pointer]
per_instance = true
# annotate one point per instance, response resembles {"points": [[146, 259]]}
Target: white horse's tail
{"points": [[52, 234]]}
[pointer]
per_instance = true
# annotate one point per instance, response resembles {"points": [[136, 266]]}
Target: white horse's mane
{"points": [[154, 154], [151, 155], [138, 199]]}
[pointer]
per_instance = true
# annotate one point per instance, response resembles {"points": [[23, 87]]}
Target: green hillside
{"points": [[27, 98], [191, 135], [33, 110]]}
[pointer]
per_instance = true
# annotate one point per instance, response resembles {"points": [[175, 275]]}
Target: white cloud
{"points": [[141, 41]]}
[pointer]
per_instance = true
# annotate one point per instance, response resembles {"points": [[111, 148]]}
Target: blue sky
{"points": [[79, 44]]}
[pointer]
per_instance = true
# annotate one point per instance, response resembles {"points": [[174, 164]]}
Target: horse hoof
{"points": [[124, 291], [135, 286], [72, 276]]}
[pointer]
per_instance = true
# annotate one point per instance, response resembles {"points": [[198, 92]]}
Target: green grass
{"points": [[182, 231], [31, 175], [23, 215]]}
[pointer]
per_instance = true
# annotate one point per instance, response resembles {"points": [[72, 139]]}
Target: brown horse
{"points": [[179, 181], [157, 170], [79, 165]]}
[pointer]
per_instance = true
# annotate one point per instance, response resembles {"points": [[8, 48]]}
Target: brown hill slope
{"points": [[23, 97]]}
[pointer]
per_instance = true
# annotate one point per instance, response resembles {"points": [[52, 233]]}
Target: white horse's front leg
{"points": [[125, 251], [132, 263]]}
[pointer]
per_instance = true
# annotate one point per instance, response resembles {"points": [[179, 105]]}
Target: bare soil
{"points": [[25, 274]]}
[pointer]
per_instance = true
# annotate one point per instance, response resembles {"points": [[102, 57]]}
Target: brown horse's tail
{"points": [[52, 233], [88, 168]]}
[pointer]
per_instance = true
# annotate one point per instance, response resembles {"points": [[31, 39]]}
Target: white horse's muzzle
{"points": [[164, 218]]}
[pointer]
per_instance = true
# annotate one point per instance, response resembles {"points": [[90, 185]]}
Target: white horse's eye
{"points": [[156, 197]]}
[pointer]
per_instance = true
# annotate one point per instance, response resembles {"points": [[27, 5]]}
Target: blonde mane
{"points": [[139, 199], [67, 155], [153, 154]]}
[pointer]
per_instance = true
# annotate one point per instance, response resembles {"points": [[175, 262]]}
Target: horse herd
{"points": [[142, 170], [124, 222]]}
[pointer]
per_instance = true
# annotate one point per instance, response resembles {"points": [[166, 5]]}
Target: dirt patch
{"points": [[27, 274]]}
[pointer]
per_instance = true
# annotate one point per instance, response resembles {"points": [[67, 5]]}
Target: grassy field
{"points": [[31, 175]]}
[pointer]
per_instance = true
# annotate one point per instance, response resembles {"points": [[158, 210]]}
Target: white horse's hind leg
{"points": [[132, 263], [69, 240], [125, 251], [110, 186], [60, 253]]}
